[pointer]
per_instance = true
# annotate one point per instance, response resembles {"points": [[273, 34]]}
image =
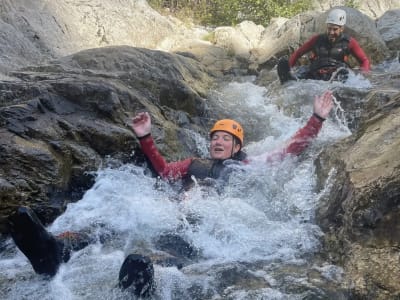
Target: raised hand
{"points": [[323, 104], [141, 124]]}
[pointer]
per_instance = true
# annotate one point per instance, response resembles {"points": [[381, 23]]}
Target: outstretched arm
{"points": [[141, 125], [303, 137], [306, 47]]}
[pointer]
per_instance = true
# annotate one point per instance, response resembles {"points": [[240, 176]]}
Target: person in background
{"points": [[47, 252], [330, 53]]}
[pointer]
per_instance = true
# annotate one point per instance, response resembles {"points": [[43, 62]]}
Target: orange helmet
{"points": [[229, 126]]}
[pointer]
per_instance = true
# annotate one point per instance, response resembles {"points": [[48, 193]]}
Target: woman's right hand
{"points": [[141, 124]]}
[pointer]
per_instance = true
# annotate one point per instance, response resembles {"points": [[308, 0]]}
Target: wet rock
{"points": [[62, 121], [359, 211], [137, 275], [177, 246], [389, 32]]}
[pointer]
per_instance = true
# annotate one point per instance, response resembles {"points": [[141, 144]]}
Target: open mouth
{"points": [[218, 149]]}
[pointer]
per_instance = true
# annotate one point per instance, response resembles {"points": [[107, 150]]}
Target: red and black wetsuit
{"points": [[180, 169], [330, 55]]}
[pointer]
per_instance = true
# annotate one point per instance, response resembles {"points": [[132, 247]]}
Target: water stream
{"points": [[256, 240]]}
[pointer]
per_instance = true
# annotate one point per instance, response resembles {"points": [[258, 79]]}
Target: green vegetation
{"points": [[352, 3], [231, 12]]}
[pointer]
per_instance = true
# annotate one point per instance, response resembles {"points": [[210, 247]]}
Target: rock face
{"points": [[360, 209], [386, 25], [61, 120], [34, 31]]}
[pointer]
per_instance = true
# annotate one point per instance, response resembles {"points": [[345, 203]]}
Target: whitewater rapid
{"points": [[264, 217]]}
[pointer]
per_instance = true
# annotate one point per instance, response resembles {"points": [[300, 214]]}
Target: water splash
{"points": [[261, 224]]}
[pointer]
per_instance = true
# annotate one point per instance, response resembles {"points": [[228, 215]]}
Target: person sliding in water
{"points": [[329, 53], [46, 252]]}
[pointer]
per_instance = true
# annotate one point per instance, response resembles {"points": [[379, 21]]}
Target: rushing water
{"points": [[257, 239]]}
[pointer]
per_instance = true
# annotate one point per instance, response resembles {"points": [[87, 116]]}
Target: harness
{"points": [[211, 172], [326, 57]]}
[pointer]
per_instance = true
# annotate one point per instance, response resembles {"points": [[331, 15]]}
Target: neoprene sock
{"points": [[42, 249]]}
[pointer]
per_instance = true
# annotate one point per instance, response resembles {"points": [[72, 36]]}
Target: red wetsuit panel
{"points": [[305, 48], [172, 170], [299, 141], [304, 136], [359, 54]]}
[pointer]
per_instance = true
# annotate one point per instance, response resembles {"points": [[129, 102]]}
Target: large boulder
{"points": [[359, 210], [60, 121], [388, 27], [238, 40]]}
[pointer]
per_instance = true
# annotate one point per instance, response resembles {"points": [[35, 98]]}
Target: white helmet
{"points": [[336, 16]]}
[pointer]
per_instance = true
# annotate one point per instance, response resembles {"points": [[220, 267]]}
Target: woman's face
{"points": [[223, 145]]}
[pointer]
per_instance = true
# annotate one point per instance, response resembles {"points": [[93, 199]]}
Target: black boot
{"points": [[42, 249], [283, 69], [137, 273]]}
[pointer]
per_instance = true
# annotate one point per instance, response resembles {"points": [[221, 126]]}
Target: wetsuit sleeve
{"points": [[299, 141], [304, 136], [170, 171], [359, 54], [306, 47]]}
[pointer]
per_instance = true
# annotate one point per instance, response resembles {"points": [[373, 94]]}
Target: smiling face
{"points": [[223, 145], [333, 31]]}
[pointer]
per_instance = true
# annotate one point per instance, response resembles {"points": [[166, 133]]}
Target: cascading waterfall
{"points": [[256, 239]]}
